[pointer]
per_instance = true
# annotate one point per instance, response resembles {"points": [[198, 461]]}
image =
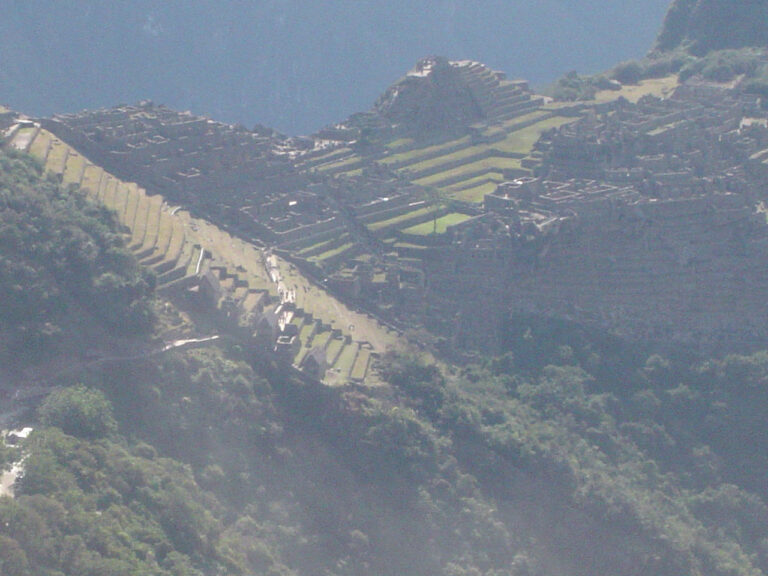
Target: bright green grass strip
{"points": [[40, 144], [472, 182], [57, 157], [524, 118], [91, 179], [332, 253], [399, 143], [439, 226], [340, 164], [315, 246], [413, 155], [522, 141], [306, 332], [334, 347], [476, 194], [345, 361], [493, 164], [373, 227], [411, 246], [361, 364], [320, 339], [452, 157], [73, 169]]}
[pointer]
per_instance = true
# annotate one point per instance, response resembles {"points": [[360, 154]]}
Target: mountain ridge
{"points": [[702, 26]]}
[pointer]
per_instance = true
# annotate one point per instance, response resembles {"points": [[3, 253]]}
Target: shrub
{"points": [[628, 72]]}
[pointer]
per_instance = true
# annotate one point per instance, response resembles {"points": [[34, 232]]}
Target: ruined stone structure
{"points": [[643, 218], [667, 240]]}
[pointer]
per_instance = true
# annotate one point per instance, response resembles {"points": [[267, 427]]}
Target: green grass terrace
{"points": [[439, 226]]}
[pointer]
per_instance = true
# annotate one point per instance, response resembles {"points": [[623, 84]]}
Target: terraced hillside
{"points": [[190, 255], [358, 207]]}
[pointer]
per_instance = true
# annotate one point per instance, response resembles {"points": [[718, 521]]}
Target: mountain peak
{"points": [[439, 95], [705, 25]]}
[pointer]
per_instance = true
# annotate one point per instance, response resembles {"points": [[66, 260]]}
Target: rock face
{"points": [[705, 25]]}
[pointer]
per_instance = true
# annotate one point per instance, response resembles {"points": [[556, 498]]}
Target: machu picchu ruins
{"points": [[641, 215]]}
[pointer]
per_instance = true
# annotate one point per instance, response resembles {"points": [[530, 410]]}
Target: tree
{"points": [[79, 411]]}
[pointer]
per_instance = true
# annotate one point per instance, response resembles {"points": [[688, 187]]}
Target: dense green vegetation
{"points": [[62, 258], [193, 463]]}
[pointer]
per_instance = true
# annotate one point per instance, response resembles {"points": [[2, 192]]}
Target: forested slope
{"points": [[572, 453], [63, 267]]}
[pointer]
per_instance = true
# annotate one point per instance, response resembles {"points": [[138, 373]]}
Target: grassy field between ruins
{"points": [[414, 154], [472, 169], [476, 194], [332, 253], [522, 141], [439, 226], [451, 157], [660, 87]]}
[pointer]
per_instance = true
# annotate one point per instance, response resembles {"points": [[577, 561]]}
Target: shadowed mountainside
{"points": [[705, 25]]}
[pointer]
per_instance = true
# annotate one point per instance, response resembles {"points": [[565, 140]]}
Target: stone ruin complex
{"points": [[644, 219]]}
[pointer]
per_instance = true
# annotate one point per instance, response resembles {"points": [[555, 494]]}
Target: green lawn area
{"points": [[332, 253], [476, 194], [415, 154], [442, 223], [40, 145], [452, 157], [346, 359], [457, 189], [399, 143], [130, 209], [315, 246], [522, 141], [409, 245], [493, 164], [334, 347], [57, 157], [92, 179], [361, 364], [401, 218], [340, 164], [320, 339], [524, 118], [306, 333], [73, 170]]}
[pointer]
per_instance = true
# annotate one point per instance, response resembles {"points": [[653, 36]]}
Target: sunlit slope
{"points": [[179, 248]]}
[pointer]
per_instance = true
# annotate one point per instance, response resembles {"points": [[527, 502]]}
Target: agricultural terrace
{"points": [[438, 226], [171, 242], [401, 219]]}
